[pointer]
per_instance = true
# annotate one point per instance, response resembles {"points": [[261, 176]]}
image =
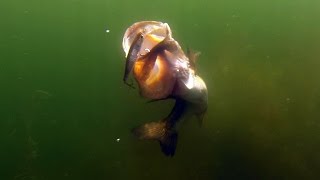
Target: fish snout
{"points": [[153, 33]]}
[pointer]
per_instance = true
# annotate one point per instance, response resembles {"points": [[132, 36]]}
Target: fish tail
{"points": [[160, 131], [163, 131]]}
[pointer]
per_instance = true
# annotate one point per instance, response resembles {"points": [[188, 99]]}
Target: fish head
{"points": [[153, 32]]}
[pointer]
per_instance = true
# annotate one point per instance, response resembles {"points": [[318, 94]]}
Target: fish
{"points": [[164, 72]]}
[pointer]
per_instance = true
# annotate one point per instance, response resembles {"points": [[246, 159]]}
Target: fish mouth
{"points": [[153, 33]]}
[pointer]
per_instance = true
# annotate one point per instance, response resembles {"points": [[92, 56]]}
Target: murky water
{"points": [[66, 114]]}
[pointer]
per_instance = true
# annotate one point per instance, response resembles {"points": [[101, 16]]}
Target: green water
{"points": [[64, 105]]}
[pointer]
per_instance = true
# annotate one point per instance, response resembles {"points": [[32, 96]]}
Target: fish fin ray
{"points": [[200, 118], [169, 143], [193, 57], [167, 137]]}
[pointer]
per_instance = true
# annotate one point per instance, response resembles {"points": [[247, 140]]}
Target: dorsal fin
{"points": [[193, 56]]}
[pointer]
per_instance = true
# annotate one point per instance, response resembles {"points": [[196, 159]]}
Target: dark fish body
{"points": [[163, 72]]}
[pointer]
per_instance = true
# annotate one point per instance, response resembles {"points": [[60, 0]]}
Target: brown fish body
{"points": [[162, 70]]}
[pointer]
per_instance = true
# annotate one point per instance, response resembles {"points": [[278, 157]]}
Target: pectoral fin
{"points": [[200, 118]]}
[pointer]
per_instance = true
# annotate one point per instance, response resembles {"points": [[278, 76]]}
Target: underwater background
{"points": [[66, 114]]}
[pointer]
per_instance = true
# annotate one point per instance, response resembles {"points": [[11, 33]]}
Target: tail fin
{"points": [[160, 131]]}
